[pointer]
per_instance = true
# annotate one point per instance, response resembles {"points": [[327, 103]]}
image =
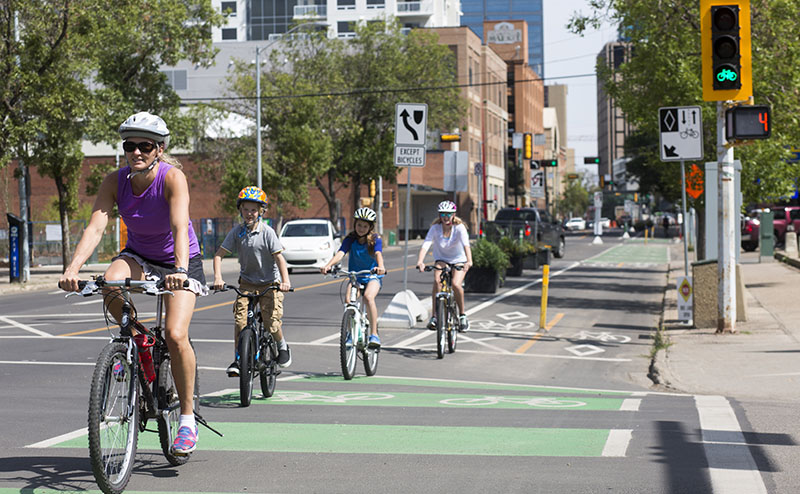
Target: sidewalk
{"points": [[760, 361]]}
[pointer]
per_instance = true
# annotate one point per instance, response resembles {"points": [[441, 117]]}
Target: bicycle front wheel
{"points": [[452, 330], [113, 418], [169, 407], [441, 326], [268, 371], [246, 366], [347, 344]]}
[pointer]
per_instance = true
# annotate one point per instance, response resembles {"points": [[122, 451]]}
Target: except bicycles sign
{"points": [[681, 133]]}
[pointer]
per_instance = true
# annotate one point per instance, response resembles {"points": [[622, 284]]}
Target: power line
{"points": [[381, 91]]}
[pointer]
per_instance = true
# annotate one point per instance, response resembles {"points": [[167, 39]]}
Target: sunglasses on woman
{"points": [[144, 146], [446, 215]]}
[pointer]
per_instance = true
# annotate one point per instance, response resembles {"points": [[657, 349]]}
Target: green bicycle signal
{"points": [[727, 75]]}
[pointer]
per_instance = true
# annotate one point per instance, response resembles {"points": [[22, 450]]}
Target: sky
{"points": [[566, 54]]}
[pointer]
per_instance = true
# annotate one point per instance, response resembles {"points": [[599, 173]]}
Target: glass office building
{"points": [[476, 11]]}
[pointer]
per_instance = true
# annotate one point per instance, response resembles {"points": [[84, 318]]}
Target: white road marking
{"points": [[617, 442], [630, 405], [326, 339], [60, 439], [730, 464], [409, 341], [25, 327]]}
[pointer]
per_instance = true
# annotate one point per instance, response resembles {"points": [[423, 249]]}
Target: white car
{"points": [[309, 243], [575, 224], [605, 222]]}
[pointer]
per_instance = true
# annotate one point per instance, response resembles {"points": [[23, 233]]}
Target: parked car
{"points": [[535, 226], [309, 243], [783, 216], [749, 233], [575, 224], [605, 222]]}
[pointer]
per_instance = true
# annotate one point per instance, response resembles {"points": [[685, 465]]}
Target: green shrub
{"points": [[515, 248], [486, 254]]}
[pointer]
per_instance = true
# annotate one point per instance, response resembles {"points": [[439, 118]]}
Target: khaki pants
{"points": [[271, 309]]}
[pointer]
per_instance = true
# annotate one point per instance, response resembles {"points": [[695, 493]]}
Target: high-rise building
{"points": [[475, 12], [612, 124], [258, 20]]}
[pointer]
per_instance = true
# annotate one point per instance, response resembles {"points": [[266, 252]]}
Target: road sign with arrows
{"points": [[681, 133], [410, 133]]}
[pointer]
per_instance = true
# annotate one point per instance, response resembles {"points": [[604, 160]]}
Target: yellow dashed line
{"points": [[528, 344]]}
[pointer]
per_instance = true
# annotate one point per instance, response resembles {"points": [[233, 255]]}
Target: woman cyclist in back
{"points": [[450, 241], [365, 248]]}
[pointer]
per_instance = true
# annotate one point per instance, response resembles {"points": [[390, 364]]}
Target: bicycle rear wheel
{"points": [[369, 355], [113, 418], [247, 362], [347, 344], [268, 369], [441, 326], [452, 330], [168, 401]]}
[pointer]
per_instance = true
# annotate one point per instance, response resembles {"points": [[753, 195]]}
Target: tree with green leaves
{"points": [[74, 70], [574, 201], [665, 70], [328, 107]]}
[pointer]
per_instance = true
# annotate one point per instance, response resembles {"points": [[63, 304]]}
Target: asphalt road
{"points": [[517, 408]]}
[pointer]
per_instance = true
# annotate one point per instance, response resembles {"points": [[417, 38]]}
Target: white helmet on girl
{"points": [[447, 207], [365, 214], [146, 125]]}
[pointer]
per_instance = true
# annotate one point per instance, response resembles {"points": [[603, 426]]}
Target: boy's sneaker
{"points": [[432, 323], [374, 341], [284, 357], [185, 442], [463, 323], [233, 369]]}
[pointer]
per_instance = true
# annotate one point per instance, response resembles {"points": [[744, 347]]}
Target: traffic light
{"points": [[550, 162], [527, 148], [591, 160], [450, 137], [372, 188], [726, 53], [748, 122]]}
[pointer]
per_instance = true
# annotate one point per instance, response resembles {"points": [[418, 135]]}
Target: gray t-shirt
{"points": [[256, 251]]}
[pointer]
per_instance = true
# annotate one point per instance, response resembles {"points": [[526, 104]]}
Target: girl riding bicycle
{"points": [[152, 197], [261, 264], [366, 253], [450, 241]]}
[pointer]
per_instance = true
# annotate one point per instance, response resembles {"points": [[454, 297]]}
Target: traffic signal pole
{"points": [[726, 253]]}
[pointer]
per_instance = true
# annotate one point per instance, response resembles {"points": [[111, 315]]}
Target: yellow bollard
{"points": [[646, 230], [543, 310]]}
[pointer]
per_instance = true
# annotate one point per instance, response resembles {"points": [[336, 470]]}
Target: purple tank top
{"points": [[147, 218]]}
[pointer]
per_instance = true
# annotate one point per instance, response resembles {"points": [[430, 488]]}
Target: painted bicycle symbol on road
{"points": [[304, 397], [489, 325], [540, 402], [603, 336]]}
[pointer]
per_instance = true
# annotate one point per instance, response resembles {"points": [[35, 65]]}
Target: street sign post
{"points": [[681, 133]]}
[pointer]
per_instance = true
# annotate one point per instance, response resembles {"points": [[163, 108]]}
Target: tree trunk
{"points": [[66, 245], [329, 194]]}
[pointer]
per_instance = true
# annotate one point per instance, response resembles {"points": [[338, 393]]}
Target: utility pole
{"points": [[726, 253], [25, 253]]}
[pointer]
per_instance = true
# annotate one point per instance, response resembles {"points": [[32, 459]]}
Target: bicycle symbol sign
{"points": [[681, 133]]}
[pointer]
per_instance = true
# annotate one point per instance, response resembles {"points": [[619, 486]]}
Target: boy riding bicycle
{"points": [[261, 264], [365, 248]]}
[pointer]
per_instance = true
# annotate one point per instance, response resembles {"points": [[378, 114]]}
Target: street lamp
{"points": [[258, 86]]}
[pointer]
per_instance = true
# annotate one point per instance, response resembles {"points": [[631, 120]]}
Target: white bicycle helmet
{"points": [[146, 125], [447, 207], [365, 214]]}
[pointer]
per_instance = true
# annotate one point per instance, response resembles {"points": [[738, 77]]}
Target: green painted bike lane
{"points": [[634, 253], [346, 438]]}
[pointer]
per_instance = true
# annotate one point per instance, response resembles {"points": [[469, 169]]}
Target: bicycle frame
{"points": [[445, 309], [354, 334]]}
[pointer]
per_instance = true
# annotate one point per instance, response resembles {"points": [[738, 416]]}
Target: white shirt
{"points": [[448, 249]]}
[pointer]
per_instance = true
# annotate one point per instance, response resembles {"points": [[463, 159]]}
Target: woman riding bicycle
{"points": [[366, 253], [152, 197], [261, 264], [450, 241]]}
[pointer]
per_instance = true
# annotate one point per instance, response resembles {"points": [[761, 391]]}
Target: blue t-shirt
{"points": [[359, 256]]}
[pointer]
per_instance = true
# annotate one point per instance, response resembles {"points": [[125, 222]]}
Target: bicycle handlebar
{"points": [[227, 287], [149, 287], [457, 267]]}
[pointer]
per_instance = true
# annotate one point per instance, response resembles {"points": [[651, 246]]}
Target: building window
{"points": [[346, 29], [229, 34], [346, 4], [230, 8], [376, 4], [176, 79]]}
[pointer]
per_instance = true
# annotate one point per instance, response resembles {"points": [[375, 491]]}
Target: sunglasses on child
{"points": [[144, 146]]}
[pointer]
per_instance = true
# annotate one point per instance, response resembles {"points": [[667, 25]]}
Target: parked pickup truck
{"points": [[782, 218], [535, 226]]}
